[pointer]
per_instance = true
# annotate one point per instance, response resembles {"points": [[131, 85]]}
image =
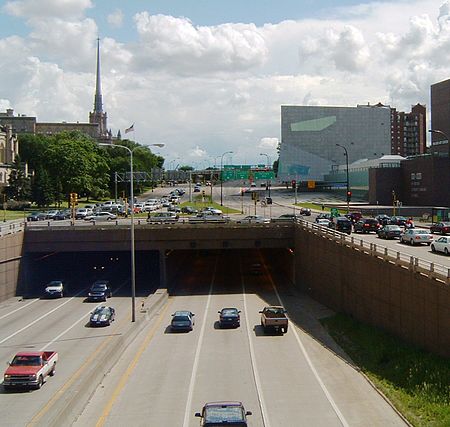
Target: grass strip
{"points": [[415, 381]]}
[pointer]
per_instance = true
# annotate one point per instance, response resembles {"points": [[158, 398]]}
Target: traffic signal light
{"points": [[349, 196], [294, 183], [73, 199]]}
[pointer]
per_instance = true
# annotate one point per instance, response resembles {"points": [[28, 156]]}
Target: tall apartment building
{"points": [[440, 116], [408, 131]]}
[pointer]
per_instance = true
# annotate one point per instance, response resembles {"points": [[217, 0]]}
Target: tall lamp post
{"points": [[221, 176], [133, 263], [439, 132], [348, 181]]}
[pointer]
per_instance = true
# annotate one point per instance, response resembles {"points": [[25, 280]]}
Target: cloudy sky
{"points": [[209, 76]]}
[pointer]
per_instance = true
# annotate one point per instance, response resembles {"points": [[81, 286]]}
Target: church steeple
{"points": [[98, 116], [98, 104]]}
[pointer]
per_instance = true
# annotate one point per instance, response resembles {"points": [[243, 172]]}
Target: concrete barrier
{"points": [[72, 402]]}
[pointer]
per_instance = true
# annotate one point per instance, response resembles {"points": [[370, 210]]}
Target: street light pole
{"points": [[221, 176], [133, 261], [268, 167], [348, 181]]}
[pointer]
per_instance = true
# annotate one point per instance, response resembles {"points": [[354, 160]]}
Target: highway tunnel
{"points": [[181, 271]]}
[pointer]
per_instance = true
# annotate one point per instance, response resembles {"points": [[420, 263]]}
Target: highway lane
{"points": [[60, 325], [289, 380]]}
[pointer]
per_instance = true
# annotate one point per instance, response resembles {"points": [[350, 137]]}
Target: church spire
{"points": [[98, 104]]}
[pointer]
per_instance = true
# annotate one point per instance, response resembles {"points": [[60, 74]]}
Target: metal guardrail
{"points": [[412, 263], [11, 228]]}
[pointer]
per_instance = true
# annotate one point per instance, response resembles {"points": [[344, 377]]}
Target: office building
{"points": [[309, 135], [440, 117]]}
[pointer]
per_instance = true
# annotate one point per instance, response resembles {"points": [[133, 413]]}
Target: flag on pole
{"points": [[130, 129]]}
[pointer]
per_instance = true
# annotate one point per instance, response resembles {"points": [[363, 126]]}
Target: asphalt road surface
{"points": [[291, 380]]}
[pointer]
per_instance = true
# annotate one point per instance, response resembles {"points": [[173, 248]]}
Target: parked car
{"points": [[398, 220], [440, 227], [100, 291], [189, 210], [230, 414], [305, 211], [229, 317], [174, 208], [389, 231], [51, 214], [29, 369], [102, 316], [62, 215], [163, 217], [366, 225], [441, 245], [342, 224], [101, 216], [254, 219], [182, 320], [415, 236], [82, 213], [37, 216], [54, 289]]}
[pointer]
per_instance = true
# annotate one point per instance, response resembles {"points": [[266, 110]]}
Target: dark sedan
{"points": [[62, 215], [182, 321], [398, 220], [36, 216], [102, 316], [390, 231], [229, 317], [100, 291], [366, 225], [440, 227]]}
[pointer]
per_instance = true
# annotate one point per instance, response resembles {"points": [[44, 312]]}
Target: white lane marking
{"points": [[17, 309], [256, 377], [310, 364], [40, 318], [187, 412]]}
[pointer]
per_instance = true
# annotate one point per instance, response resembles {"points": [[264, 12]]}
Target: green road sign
{"points": [[334, 212]]}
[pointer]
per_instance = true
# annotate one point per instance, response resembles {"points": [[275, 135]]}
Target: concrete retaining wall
{"points": [[403, 302], [10, 257]]}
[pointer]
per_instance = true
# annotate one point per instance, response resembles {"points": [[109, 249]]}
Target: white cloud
{"points": [[115, 19], [47, 8], [204, 90]]}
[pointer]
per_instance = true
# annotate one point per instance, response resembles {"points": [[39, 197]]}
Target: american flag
{"points": [[130, 129]]}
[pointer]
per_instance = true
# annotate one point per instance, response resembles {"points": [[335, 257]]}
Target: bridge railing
{"points": [[415, 264], [11, 227]]}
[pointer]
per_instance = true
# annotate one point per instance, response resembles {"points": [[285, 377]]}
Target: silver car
{"points": [[441, 245], [415, 236]]}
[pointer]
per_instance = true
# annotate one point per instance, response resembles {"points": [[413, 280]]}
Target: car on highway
{"points": [[323, 216], [29, 369], [440, 227], [36, 216], [383, 219], [416, 236], [101, 216], [342, 224], [99, 291], [324, 222], [51, 214], [354, 216], [274, 318], [305, 211], [398, 220], [54, 289], [229, 316], [230, 414], [102, 316], [389, 231], [213, 211], [197, 189], [366, 225], [82, 213], [253, 219], [163, 217], [182, 320], [286, 218], [255, 269], [441, 245], [208, 218]]}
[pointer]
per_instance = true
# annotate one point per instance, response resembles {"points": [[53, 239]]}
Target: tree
{"points": [[18, 184], [186, 168]]}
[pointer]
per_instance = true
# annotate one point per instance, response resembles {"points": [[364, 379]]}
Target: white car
{"points": [[101, 216], [254, 219], [212, 211], [441, 245], [323, 221], [54, 289], [415, 236]]}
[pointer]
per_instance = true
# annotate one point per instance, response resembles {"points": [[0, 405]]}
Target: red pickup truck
{"points": [[29, 369]]}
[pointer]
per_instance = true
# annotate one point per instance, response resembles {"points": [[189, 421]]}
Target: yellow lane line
{"points": [[123, 380], [72, 379]]}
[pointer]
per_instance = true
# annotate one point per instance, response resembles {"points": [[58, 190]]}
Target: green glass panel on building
{"points": [[315, 125]]}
